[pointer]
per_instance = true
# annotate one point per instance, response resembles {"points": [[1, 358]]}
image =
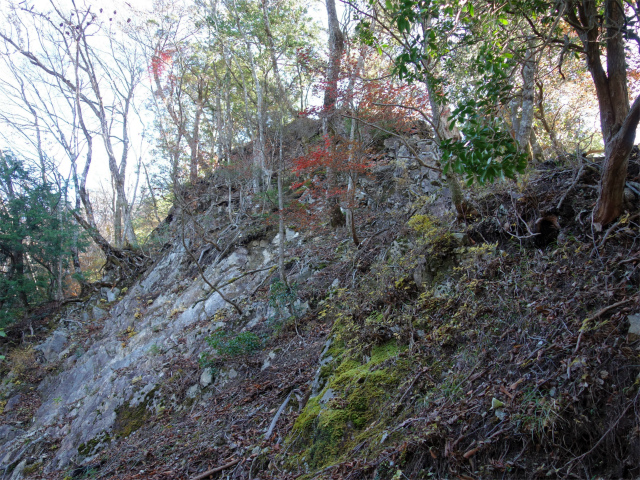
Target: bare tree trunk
{"points": [[284, 99], [195, 136], [59, 269], [259, 107], [351, 186], [329, 118], [514, 106], [523, 134], [536, 149], [443, 132], [614, 170], [542, 117], [618, 121], [153, 195], [281, 229]]}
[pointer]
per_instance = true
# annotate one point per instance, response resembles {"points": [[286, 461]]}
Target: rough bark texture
{"points": [[617, 122], [443, 132], [526, 119], [351, 190], [329, 119], [336, 49], [281, 229]]}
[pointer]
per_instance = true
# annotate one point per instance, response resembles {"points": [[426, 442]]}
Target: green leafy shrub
{"points": [[231, 345], [282, 298]]}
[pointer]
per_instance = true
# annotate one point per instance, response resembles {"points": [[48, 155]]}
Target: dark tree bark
{"points": [[618, 121], [329, 119]]}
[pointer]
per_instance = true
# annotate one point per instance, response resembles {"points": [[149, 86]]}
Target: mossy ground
{"points": [[329, 431], [495, 375]]}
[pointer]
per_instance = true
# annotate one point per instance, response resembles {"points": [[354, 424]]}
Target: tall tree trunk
{"points": [[536, 149], [618, 121], [542, 117], [59, 295], [281, 229], [151, 193], [523, 134], [284, 99], [194, 145], [260, 158], [443, 132], [351, 186], [18, 271], [329, 118]]}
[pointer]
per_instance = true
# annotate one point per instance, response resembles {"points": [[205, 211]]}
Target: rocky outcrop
{"points": [[165, 314], [106, 389]]}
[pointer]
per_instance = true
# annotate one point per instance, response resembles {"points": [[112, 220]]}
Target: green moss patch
{"points": [[130, 418], [91, 447], [326, 432]]}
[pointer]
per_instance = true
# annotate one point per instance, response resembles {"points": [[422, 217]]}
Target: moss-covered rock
{"points": [[332, 423], [92, 446], [130, 418]]}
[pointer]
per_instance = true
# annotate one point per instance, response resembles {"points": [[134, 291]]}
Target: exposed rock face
{"points": [[104, 392], [81, 405], [54, 345]]}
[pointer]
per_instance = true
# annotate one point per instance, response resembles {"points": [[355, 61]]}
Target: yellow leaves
{"points": [[128, 333], [423, 224], [220, 315], [624, 219], [176, 311]]}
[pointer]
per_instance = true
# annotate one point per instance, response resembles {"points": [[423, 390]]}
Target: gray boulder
{"points": [[53, 345]]}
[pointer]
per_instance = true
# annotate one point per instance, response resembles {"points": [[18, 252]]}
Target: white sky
{"points": [[99, 172]]}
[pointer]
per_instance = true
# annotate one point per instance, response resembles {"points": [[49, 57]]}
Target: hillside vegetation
{"points": [[405, 246]]}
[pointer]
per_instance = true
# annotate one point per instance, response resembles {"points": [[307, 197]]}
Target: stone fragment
{"points": [[268, 360], [193, 391], [634, 326], [13, 402], [112, 294], [9, 432], [328, 395], [206, 378], [98, 313], [52, 346]]}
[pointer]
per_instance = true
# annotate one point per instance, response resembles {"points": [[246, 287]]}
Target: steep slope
{"points": [[435, 349]]}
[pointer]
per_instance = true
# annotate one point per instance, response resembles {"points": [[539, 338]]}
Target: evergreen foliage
{"points": [[36, 235]]}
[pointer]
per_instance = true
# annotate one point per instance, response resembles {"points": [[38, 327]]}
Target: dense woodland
{"points": [[164, 98], [124, 127]]}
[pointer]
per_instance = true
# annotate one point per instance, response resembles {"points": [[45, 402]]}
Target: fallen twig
{"points": [[277, 415], [415, 379], [208, 473], [601, 312], [597, 315], [609, 430], [571, 187], [614, 226]]}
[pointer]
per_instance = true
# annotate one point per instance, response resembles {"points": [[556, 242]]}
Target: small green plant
{"points": [[154, 349], [231, 345], [206, 360], [282, 298]]}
